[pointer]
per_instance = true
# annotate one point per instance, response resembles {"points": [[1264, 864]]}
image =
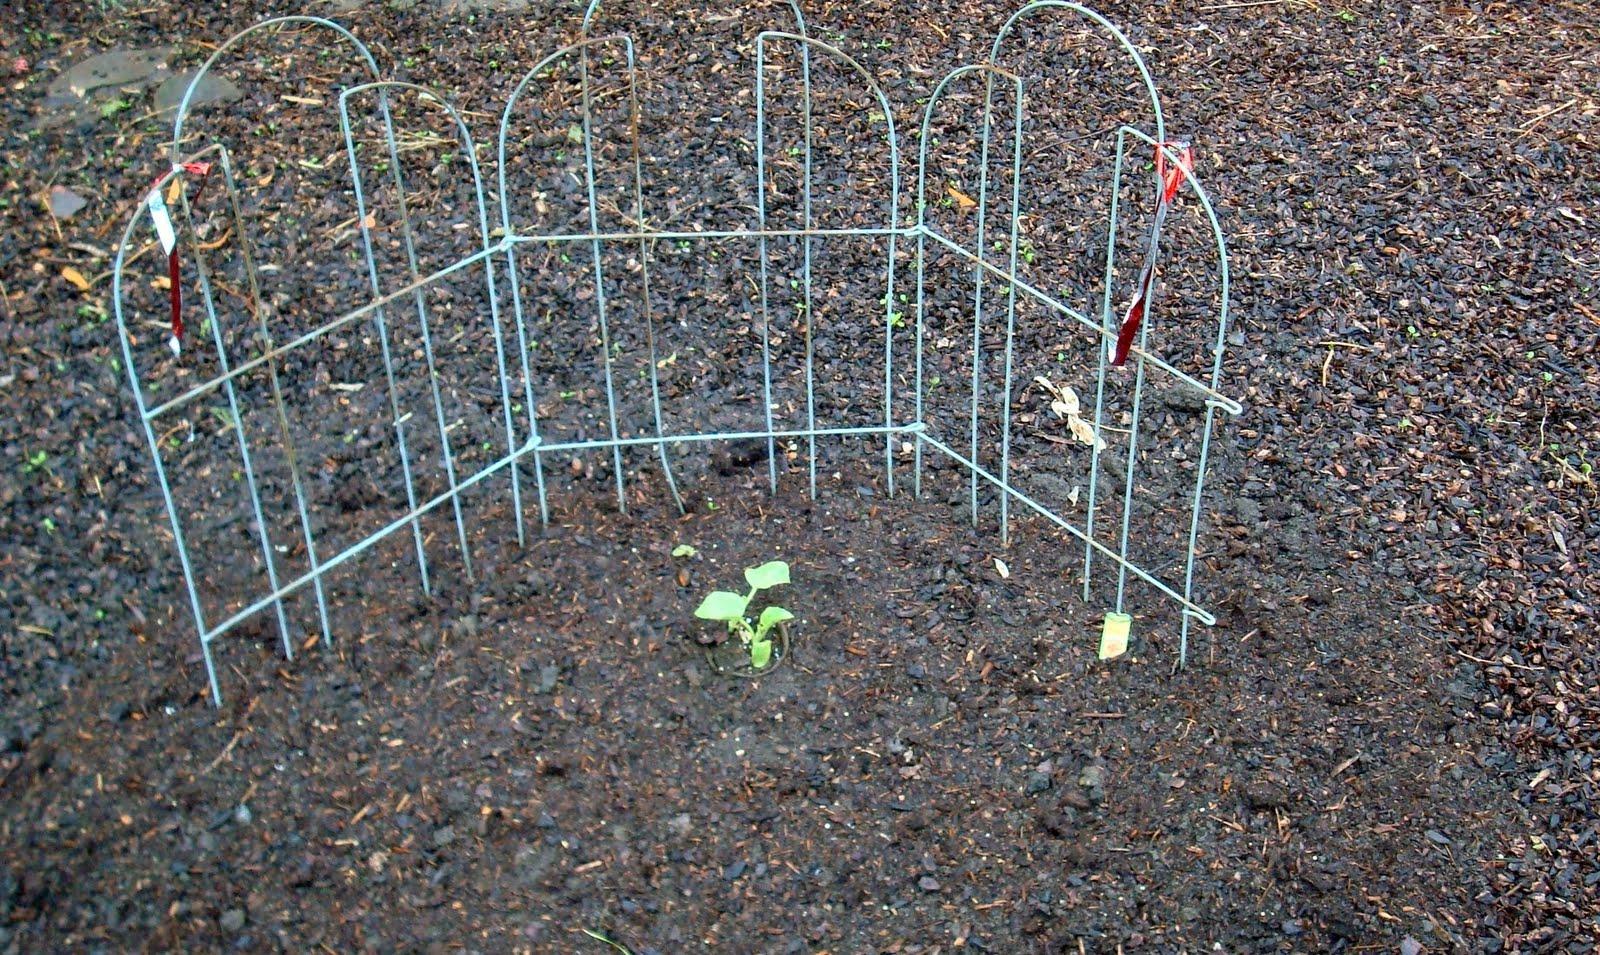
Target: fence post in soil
{"points": [[312, 335]]}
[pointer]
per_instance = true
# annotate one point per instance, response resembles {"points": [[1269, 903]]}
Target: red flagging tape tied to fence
{"points": [[162, 219], [1169, 177]]}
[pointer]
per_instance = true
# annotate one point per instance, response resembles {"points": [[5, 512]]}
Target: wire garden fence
{"points": [[368, 353]]}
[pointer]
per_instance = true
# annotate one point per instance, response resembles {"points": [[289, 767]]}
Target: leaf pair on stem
{"points": [[728, 607]]}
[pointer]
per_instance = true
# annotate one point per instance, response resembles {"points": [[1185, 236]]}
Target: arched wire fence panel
{"points": [[446, 281]]}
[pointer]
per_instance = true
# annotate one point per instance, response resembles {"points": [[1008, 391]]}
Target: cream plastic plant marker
{"points": [[1114, 635]]}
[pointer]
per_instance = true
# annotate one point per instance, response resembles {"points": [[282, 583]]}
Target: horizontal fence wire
{"points": [[244, 343]]}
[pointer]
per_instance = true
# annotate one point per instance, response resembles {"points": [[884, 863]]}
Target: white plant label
{"points": [[162, 221]]}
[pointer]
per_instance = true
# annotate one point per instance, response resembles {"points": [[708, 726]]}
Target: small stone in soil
{"points": [[443, 836], [1038, 782], [64, 204], [232, 920], [118, 67], [1093, 782], [212, 88], [928, 884], [548, 675], [1262, 795], [732, 872]]}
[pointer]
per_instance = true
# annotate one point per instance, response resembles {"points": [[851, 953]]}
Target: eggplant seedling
{"points": [[727, 607]]}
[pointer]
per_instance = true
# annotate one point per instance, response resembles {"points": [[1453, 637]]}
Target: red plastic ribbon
{"points": [[1172, 177], [175, 292], [1169, 176], [1132, 318]]}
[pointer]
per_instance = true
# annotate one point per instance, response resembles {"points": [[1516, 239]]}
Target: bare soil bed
{"points": [[1387, 743]]}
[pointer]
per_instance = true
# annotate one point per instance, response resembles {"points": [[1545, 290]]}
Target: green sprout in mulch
{"points": [[725, 606]]}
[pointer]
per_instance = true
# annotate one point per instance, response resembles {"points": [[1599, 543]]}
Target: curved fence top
{"points": [[593, 9], [1106, 25], [237, 39]]}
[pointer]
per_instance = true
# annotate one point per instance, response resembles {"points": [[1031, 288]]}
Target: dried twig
{"points": [[1500, 663], [226, 752], [1327, 362], [1532, 124], [1250, 3]]}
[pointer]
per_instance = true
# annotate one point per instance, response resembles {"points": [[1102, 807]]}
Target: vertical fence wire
{"points": [[125, 340], [980, 269], [279, 407], [891, 231], [646, 245], [1011, 310], [397, 415], [1103, 352], [808, 223], [502, 156], [409, 242], [764, 270], [978, 274], [589, 187], [213, 319]]}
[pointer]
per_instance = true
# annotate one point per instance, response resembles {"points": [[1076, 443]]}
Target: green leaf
{"points": [[760, 653], [684, 550], [722, 605], [770, 574], [771, 617]]}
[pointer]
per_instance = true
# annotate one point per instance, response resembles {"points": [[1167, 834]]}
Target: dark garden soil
{"points": [[1386, 744]]}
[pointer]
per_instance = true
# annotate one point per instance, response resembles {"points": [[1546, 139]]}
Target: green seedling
{"points": [[727, 607]]}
